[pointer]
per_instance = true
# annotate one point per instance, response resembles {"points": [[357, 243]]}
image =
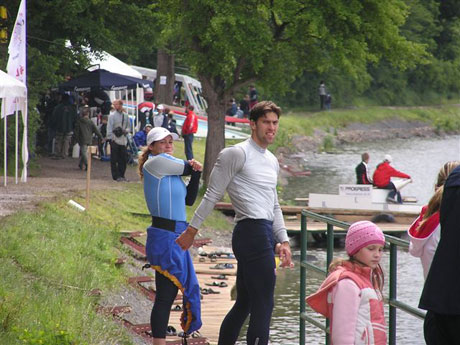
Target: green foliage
{"points": [[48, 336], [445, 118], [119, 27], [50, 260], [328, 143]]}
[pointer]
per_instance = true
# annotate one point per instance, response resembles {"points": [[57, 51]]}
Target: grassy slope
{"points": [[445, 118], [50, 259]]}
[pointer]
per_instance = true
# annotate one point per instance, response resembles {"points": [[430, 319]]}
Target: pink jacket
{"points": [[354, 307], [424, 241]]}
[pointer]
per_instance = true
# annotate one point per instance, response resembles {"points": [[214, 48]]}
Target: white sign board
{"points": [[355, 189], [163, 80]]}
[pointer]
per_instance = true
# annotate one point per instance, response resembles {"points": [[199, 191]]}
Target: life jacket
{"points": [[370, 325]]}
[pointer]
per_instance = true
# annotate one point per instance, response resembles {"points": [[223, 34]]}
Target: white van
{"points": [[187, 88]]}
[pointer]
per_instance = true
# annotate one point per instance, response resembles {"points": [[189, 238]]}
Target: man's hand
{"points": [[185, 240], [285, 255]]}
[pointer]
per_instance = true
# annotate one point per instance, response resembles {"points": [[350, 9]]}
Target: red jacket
{"points": [[190, 125], [384, 172]]}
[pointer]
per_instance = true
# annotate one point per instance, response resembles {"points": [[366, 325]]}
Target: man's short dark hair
{"points": [[191, 107], [262, 108]]}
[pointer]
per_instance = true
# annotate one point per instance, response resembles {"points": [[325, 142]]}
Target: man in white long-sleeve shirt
{"points": [[249, 173]]}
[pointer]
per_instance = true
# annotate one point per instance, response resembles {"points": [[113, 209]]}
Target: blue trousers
{"points": [[188, 141], [253, 245]]}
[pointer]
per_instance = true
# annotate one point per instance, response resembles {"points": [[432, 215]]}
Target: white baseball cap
{"points": [[160, 107], [159, 133], [388, 158]]}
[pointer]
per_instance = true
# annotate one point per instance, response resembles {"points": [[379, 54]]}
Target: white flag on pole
{"points": [[17, 56]]}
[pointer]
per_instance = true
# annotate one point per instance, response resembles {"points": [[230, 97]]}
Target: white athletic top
{"points": [[249, 173]]}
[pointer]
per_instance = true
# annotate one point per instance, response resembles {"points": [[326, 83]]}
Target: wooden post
{"points": [[88, 175]]}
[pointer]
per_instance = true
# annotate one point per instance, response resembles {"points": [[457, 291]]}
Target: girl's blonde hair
{"points": [[377, 279], [142, 158], [435, 202]]}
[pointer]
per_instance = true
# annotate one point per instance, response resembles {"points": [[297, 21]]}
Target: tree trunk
{"points": [[164, 84], [215, 140]]}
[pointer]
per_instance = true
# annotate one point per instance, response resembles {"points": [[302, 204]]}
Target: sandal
{"points": [[220, 276], [171, 331], [219, 266], [209, 291], [219, 284], [177, 308], [202, 259], [196, 334]]}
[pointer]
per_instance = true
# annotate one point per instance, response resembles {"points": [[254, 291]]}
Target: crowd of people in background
{"points": [[90, 119], [241, 109]]}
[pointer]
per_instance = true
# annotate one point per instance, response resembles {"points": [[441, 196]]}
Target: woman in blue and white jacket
{"points": [[166, 195]]}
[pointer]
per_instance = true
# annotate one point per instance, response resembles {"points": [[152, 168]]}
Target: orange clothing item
{"points": [[190, 125]]}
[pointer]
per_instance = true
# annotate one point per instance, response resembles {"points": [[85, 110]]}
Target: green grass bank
{"points": [[445, 118]]}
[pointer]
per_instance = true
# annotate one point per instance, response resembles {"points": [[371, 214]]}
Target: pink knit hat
{"points": [[362, 234]]}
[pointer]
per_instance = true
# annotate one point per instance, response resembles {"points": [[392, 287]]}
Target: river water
{"points": [[421, 159]]}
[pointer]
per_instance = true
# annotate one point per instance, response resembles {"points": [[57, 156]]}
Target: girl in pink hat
{"points": [[351, 296]]}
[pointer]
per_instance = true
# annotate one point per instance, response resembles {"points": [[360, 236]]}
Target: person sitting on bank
{"points": [[140, 138], [382, 179], [362, 170]]}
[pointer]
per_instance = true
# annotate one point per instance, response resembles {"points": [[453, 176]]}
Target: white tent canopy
{"points": [[11, 87], [108, 62], [112, 64]]}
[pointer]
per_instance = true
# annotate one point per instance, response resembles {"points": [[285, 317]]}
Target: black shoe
{"points": [[392, 200]]}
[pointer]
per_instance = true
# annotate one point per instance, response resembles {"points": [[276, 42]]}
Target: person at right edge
{"points": [[440, 295], [249, 173]]}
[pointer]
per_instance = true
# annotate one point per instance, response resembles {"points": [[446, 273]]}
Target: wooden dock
{"points": [[214, 307], [292, 218]]}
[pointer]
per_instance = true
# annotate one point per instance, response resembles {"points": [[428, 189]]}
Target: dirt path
{"points": [[56, 177]]}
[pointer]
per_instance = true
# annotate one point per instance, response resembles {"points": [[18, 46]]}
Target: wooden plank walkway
{"points": [[214, 307]]}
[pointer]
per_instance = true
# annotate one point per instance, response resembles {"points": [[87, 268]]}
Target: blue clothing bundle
{"points": [[166, 196]]}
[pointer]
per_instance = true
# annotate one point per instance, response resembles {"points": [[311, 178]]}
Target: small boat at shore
{"points": [[364, 197]]}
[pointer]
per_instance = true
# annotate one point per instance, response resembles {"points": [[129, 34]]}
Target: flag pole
{"points": [[5, 151], [16, 147]]}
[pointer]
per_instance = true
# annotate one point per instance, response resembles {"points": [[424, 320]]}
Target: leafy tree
{"points": [[120, 27], [231, 44]]}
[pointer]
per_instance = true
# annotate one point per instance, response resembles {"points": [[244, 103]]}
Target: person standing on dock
{"points": [[249, 173], [166, 196], [362, 170], [440, 294], [351, 295]]}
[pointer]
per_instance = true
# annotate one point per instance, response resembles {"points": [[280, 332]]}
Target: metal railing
{"points": [[392, 298]]}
